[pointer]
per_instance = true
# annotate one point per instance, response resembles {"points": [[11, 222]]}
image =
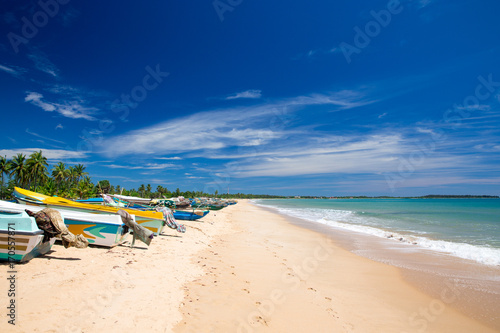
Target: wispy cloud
{"points": [[42, 63], [7, 69], [51, 154], [146, 166], [219, 129], [253, 94], [362, 154], [43, 137], [14, 71], [71, 109], [168, 158], [316, 53]]}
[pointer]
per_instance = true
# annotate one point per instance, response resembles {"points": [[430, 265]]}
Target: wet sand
{"points": [[269, 275]]}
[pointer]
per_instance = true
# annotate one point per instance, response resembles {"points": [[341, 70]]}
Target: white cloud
{"points": [[8, 70], [254, 94], [370, 154], [43, 137], [13, 70], [42, 63], [72, 109], [51, 154], [168, 158], [147, 166], [218, 129]]}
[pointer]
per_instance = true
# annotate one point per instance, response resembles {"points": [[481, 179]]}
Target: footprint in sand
{"points": [[328, 298]]}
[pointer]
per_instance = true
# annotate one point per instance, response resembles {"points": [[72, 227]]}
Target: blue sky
{"points": [[282, 97]]}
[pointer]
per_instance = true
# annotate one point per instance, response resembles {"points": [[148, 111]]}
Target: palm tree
{"points": [[18, 169], [79, 172], [160, 190], [148, 190], [72, 176], [85, 188], [141, 190], [49, 188], [4, 169], [37, 166], [59, 173], [90, 185]]}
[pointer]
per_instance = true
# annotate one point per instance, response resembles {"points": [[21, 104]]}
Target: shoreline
{"points": [[476, 285], [271, 275]]}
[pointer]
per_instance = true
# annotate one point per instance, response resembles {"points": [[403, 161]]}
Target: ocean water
{"points": [[464, 228]]}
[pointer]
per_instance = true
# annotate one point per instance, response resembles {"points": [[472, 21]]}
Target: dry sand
{"points": [[242, 269]]}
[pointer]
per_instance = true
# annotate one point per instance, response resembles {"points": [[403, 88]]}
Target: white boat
{"points": [[20, 237], [137, 200], [99, 229]]}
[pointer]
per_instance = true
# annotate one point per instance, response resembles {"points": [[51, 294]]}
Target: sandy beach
{"points": [[242, 269]]}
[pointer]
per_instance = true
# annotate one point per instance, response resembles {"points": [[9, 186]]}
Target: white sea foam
{"points": [[349, 220]]}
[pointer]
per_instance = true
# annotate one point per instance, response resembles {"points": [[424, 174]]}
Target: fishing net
{"points": [[170, 220], [51, 222]]}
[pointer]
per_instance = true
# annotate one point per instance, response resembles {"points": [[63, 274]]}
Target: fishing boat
{"points": [[208, 203], [136, 200], [154, 221], [20, 237], [100, 201], [99, 229], [190, 216], [173, 203]]}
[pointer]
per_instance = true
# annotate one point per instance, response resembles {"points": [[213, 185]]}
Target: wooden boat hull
{"points": [[188, 216], [99, 229], [150, 220], [20, 238]]}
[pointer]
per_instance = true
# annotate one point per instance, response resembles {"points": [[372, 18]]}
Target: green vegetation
{"points": [[73, 182], [33, 173]]}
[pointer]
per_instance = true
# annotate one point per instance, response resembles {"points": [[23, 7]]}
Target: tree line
{"points": [[32, 172]]}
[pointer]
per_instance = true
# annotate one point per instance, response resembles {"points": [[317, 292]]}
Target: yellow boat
{"points": [[151, 220]]}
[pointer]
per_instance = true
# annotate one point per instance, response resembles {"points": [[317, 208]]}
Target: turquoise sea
{"points": [[464, 228]]}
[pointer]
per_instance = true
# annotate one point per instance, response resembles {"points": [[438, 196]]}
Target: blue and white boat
{"points": [[20, 237], [190, 216], [99, 229]]}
